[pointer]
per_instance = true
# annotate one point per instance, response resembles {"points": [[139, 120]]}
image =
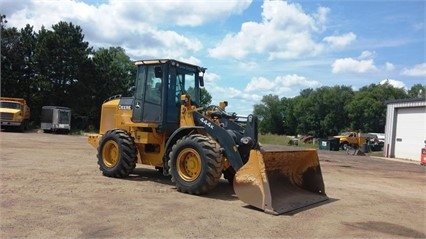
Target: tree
{"points": [[62, 57], [17, 61], [330, 109], [304, 113], [321, 112], [272, 115], [10, 61], [289, 119], [110, 72], [417, 91], [367, 109], [205, 98], [28, 42]]}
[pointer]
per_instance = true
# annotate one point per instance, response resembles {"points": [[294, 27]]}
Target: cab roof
{"points": [[163, 61]]}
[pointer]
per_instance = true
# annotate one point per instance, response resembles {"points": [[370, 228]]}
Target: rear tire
{"points": [[195, 164], [116, 154]]}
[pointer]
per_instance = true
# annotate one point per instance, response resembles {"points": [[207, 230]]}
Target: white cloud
{"points": [[340, 41], [321, 14], [220, 93], [389, 66], [417, 70], [352, 65], [179, 12], [394, 83], [191, 60], [288, 86], [285, 32], [366, 55], [280, 85], [211, 77], [260, 84], [248, 66], [133, 25]]}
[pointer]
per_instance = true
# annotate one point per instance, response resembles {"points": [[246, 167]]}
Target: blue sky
{"points": [[253, 48]]}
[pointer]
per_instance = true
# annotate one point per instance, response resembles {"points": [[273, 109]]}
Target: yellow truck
{"points": [[14, 113], [356, 139]]}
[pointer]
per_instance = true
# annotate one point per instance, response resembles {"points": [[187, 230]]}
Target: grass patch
{"points": [[283, 140]]}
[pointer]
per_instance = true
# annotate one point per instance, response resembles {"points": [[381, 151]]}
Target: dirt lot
{"points": [[51, 187]]}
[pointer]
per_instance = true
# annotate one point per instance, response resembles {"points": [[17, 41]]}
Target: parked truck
{"points": [[14, 113], [355, 139], [55, 119]]}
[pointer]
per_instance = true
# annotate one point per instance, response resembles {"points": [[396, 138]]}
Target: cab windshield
{"points": [[10, 105], [186, 82]]}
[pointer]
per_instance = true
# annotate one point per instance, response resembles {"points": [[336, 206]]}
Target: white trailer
{"points": [[56, 119]]}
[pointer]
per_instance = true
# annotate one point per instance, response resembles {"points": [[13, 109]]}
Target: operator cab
{"points": [[159, 86]]}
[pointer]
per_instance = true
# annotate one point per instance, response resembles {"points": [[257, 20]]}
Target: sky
{"points": [[253, 48]]}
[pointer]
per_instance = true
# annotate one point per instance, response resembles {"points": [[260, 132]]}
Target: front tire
{"points": [[116, 154], [195, 164]]}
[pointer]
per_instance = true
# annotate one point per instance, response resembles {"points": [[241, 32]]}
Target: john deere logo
{"points": [[124, 107]]}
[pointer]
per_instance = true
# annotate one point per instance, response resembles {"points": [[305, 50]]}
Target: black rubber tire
{"points": [[116, 154], [209, 167], [345, 145]]}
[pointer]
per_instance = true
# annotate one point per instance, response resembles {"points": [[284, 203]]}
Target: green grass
{"points": [[282, 140]]}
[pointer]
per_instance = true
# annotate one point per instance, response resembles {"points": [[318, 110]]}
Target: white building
{"points": [[405, 131]]}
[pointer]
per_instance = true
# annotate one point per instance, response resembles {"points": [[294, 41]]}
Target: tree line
{"points": [[57, 67], [327, 111]]}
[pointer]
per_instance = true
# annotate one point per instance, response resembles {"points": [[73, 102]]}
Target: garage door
{"points": [[410, 132]]}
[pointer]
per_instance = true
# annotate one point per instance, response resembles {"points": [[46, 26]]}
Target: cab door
{"points": [[148, 95], [139, 95]]}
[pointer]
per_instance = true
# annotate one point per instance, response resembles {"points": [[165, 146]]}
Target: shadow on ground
{"points": [[222, 191], [388, 228], [294, 212]]}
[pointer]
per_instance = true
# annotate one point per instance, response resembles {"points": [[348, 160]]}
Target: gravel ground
{"points": [[51, 187]]}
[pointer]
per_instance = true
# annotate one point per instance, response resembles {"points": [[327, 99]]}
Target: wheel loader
{"points": [[163, 126]]}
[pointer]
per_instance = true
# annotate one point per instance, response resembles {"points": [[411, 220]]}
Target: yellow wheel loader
{"points": [[163, 126]]}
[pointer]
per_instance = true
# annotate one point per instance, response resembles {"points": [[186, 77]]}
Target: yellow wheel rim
{"points": [[189, 164], [110, 153]]}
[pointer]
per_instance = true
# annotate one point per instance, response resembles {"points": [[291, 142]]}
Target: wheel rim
{"points": [[189, 164], [110, 153]]}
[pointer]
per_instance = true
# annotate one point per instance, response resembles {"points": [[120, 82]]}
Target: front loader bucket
{"points": [[280, 181]]}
